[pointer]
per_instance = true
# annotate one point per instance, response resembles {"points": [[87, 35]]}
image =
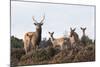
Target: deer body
{"points": [[36, 38], [74, 38], [57, 42], [32, 39], [84, 37]]}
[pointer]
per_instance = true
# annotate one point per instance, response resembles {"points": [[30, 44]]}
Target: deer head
{"points": [[83, 29], [38, 24], [51, 34], [72, 31]]}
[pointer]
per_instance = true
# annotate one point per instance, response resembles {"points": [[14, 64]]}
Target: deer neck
{"points": [[76, 37], [52, 38], [83, 33], [38, 33]]}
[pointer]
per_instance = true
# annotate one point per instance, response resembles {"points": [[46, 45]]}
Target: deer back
{"points": [[59, 41]]}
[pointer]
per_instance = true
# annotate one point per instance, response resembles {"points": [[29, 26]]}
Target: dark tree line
{"points": [[16, 43]]}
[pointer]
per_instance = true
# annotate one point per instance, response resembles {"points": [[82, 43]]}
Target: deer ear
{"points": [[52, 32], [74, 29], [35, 23], [49, 32], [81, 28], [70, 28], [85, 28]]}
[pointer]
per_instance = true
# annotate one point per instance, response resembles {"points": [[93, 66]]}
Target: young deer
{"points": [[74, 38], [56, 42], [33, 38], [84, 37]]}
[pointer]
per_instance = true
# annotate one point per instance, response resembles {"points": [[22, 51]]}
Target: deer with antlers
{"points": [[33, 38]]}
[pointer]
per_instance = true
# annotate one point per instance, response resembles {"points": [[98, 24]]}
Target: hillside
{"points": [[50, 55]]}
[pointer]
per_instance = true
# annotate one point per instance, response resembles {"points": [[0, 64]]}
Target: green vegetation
{"points": [[86, 40], [16, 43], [50, 55]]}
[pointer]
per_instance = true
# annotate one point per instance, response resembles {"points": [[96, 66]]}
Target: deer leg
{"points": [[33, 44], [25, 50], [25, 47], [53, 45], [61, 47], [30, 46], [37, 47]]}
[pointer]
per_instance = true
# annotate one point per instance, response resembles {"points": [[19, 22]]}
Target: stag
{"points": [[33, 38]]}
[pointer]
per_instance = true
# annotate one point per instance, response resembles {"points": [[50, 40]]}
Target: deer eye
{"points": [[41, 23]]}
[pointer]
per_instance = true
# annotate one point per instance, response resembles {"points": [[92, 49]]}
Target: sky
{"points": [[58, 18]]}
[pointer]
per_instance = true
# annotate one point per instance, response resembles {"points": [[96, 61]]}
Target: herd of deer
{"points": [[33, 39]]}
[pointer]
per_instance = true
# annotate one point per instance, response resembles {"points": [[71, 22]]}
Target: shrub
{"points": [[86, 54], [38, 56], [16, 54], [49, 55], [16, 43], [86, 40]]}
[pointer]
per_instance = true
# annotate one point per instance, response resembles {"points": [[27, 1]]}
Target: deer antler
{"points": [[34, 19], [74, 29], [81, 28], [42, 19]]}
